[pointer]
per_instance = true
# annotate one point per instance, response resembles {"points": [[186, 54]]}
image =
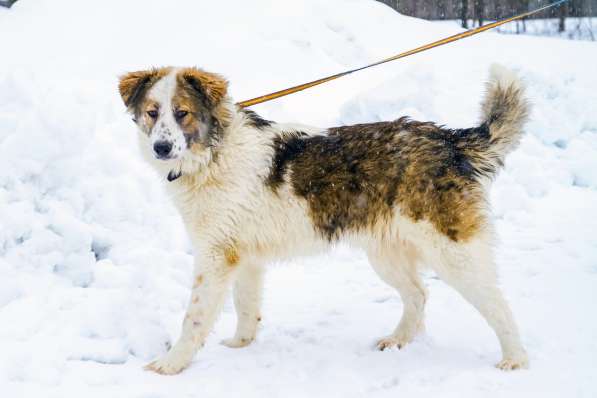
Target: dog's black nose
{"points": [[162, 148]]}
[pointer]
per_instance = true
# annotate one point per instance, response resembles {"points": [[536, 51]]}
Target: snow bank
{"points": [[95, 265]]}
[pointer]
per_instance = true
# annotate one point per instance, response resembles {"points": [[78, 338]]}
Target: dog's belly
{"points": [[285, 228]]}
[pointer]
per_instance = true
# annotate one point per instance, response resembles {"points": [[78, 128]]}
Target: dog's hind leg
{"points": [[247, 301], [469, 268], [398, 268]]}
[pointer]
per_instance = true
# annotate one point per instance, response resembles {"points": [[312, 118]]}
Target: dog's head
{"points": [[181, 114]]}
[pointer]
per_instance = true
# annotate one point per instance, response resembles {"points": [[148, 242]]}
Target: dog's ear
{"points": [[210, 86], [134, 85]]}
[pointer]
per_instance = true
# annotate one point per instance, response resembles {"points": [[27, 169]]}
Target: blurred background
{"points": [[574, 19]]}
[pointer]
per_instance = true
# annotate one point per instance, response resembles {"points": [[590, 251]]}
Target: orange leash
{"points": [[450, 39]]}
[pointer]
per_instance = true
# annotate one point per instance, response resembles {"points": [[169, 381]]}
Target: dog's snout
{"points": [[162, 148]]}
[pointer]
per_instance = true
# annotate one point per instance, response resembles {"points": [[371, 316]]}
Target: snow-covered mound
{"points": [[95, 266]]}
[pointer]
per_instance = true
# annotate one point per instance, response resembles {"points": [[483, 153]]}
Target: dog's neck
{"points": [[231, 152]]}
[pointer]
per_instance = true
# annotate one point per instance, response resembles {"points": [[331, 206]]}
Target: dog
{"points": [[251, 191]]}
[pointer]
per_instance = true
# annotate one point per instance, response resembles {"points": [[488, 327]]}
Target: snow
{"points": [[95, 266]]}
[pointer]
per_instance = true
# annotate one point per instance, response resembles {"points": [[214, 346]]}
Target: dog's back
{"points": [[355, 177]]}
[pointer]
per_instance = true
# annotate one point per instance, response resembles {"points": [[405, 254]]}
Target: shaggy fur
{"points": [[251, 191]]}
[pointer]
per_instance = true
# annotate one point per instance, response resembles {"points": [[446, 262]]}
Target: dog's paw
{"points": [[170, 364], [519, 362], [392, 341], [237, 342]]}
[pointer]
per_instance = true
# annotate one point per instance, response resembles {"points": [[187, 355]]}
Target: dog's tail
{"points": [[504, 113]]}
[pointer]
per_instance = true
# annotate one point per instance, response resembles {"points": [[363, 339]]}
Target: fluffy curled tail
{"points": [[505, 110]]}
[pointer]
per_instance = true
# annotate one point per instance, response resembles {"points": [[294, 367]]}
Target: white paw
{"points": [[238, 342], [170, 364], [393, 341], [518, 362]]}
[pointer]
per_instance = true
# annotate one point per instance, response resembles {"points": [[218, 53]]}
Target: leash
{"points": [[450, 39]]}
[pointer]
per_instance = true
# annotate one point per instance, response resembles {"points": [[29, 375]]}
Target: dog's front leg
{"points": [[211, 282]]}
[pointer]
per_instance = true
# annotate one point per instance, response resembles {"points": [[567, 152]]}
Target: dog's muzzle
{"points": [[162, 149]]}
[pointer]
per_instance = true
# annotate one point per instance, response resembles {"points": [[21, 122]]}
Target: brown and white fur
{"points": [[251, 191]]}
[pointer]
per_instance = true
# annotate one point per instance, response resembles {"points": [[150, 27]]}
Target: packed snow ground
{"points": [[95, 267]]}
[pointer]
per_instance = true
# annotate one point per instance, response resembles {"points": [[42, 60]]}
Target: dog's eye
{"points": [[180, 114], [152, 113]]}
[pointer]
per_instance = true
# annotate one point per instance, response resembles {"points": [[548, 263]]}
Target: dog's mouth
{"points": [[173, 175], [166, 158]]}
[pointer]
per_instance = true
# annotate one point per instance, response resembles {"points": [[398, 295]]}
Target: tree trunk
{"points": [[464, 13], [524, 25], [562, 14], [524, 7], [441, 10], [479, 6]]}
